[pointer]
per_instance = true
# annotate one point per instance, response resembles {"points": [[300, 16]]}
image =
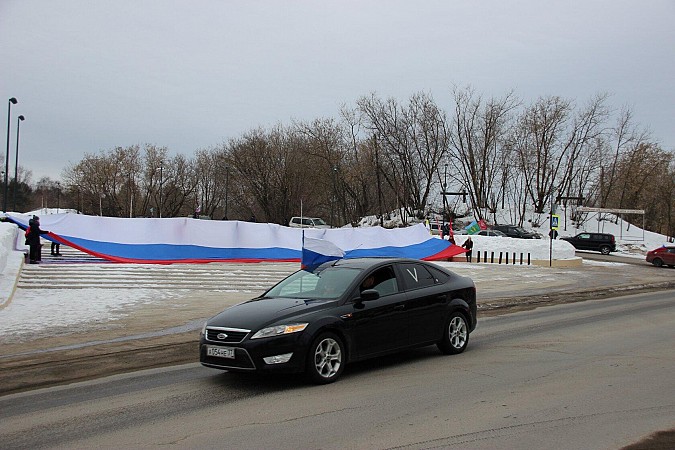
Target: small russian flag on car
{"points": [[318, 251]]}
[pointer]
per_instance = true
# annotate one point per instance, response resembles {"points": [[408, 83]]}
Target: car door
{"points": [[597, 241], [583, 242], [426, 305], [378, 326], [669, 256]]}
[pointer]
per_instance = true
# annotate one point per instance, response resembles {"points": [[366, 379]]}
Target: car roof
{"points": [[367, 263]]}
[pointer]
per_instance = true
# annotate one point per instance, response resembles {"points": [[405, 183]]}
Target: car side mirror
{"points": [[369, 294]]}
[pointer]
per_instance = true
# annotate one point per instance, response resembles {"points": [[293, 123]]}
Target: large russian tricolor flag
{"points": [[187, 240]]}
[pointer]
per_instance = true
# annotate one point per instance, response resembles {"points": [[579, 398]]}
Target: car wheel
{"points": [[658, 262], [604, 250], [326, 359], [455, 335]]}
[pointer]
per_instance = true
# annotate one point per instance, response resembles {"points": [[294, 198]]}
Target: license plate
{"points": [[220, 352]]}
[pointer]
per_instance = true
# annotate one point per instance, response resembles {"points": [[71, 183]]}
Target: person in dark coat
{"points": [[33, 240], [468, 245]]}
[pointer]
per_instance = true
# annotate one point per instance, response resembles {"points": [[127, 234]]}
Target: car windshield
{"points": [[520, 230], [325, 283], [318, 221]]}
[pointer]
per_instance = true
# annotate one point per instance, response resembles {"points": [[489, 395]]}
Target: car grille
{"points": [[226, 335]]}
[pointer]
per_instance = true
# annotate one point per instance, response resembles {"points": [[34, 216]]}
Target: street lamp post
{"points": [[227, 189], [12, 101], [161, 180], [445, 188], [58, 197], [16, 162]]}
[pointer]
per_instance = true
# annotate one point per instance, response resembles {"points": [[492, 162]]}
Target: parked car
{"points": [[307, 222], [495, 233], [516, 232], [437, 228], [316, 321], [661, 256], [599, 242]]}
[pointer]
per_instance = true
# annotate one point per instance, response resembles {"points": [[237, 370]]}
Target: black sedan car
{"points": [[316, 321]]}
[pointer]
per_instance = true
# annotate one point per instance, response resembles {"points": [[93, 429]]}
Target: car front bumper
{"points": [[249, 355]]}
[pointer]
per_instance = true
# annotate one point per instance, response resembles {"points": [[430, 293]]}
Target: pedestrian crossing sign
{"points": [[555, 220]]}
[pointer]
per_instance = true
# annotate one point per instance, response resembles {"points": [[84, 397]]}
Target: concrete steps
{"points": [[77, 270]]}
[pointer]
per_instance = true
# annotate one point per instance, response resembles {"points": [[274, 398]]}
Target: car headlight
{"points": [[204, 328], [280, 330]]}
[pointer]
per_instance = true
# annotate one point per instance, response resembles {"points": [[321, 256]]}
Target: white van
{"points": [[308, 222]]}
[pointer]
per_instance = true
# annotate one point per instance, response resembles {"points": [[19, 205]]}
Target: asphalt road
{"points": [[595, 374], [612, 257]]}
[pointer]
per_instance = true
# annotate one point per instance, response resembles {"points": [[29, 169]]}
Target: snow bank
{"points": [[11, 257], [11, 241], [538, 249]]}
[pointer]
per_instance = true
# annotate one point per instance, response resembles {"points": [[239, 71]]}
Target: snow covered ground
{"points": [[30, 307]]}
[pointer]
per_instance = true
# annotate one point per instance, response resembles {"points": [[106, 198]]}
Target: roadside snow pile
{"points": [[10, 259], [11, 245], [538, 249]]}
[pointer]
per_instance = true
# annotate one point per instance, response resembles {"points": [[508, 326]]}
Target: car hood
{"points": [[261, 312]]}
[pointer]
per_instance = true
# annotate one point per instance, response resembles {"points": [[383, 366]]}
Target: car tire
{"points": [[455, 335], [658, 262], [605, 250], [325, 359]]}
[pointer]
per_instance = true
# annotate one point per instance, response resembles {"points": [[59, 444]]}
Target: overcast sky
{"points": [[189, 74]]}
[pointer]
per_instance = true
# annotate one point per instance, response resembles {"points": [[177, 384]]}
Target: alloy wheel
{"points": [[328, 358], [457, 332]]}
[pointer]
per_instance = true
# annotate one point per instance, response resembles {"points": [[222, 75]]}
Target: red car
{"points": [[662, 256]]}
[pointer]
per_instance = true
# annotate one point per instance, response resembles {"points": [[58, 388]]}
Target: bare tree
{"points": [[549, 139], [411, 142], [154, 161], [478, 154], [116, 183], [625, 137], [270, 167]]}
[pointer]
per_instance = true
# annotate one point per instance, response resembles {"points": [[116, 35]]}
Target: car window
{"points": [[383, 280], [295, 220], [318, 221], [584, 236], [441, 277], [306, 222], [416, 276]]}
